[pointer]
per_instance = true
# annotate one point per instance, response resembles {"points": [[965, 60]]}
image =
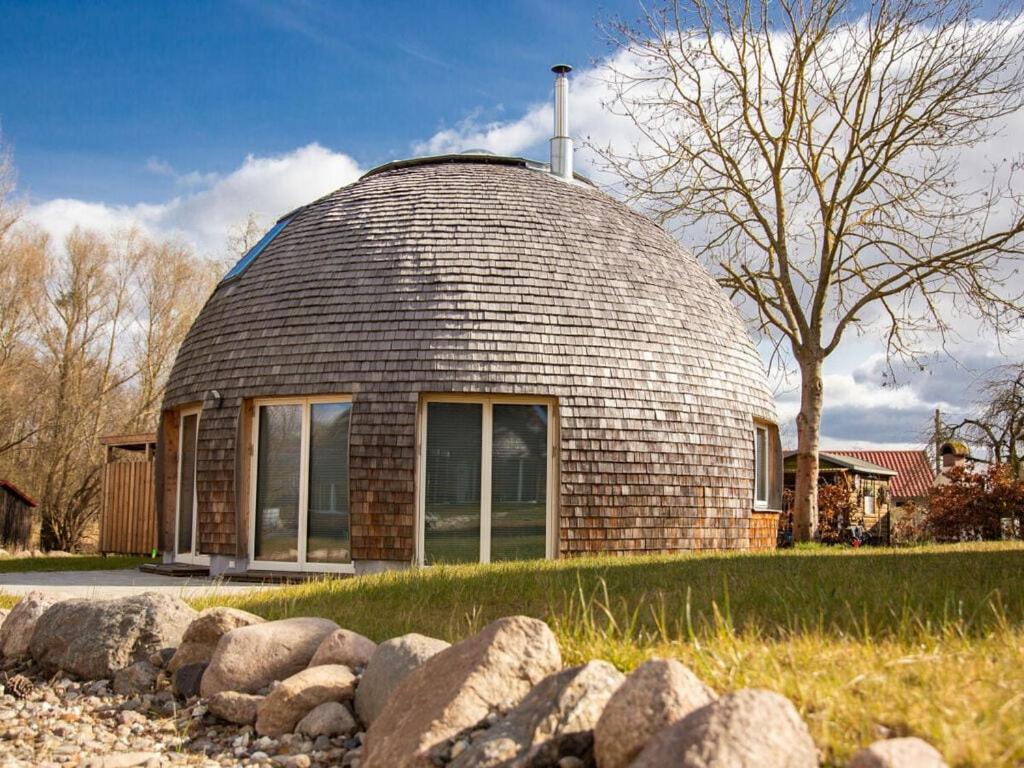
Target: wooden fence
{"points": [[128, 519]]}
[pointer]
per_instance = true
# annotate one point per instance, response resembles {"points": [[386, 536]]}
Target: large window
{"points": [[485, 480], [300, 515], [767, 467], [760, 466]]}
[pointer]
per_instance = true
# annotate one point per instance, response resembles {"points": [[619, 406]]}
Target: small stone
{"points": [[239, 708], [200, 639], [136, 678], [343, 646], [250, 658], [294, 761], [571, 762], [389, 665], [289, 702], [656, 694], [162, 657], [328, 719], [909, 752], [18, 626], [746, 729], [187, 679]]}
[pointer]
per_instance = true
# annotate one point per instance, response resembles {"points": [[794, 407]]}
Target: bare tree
{"points": [[998, 421], [812, 151]]}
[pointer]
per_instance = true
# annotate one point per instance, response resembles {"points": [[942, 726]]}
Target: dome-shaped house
{"points": [[464, 358]]}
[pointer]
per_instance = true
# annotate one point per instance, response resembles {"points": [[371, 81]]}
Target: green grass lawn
{"points": [[868, 643]]}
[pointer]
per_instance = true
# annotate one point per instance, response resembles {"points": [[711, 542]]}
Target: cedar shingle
{"points": [[490, 277]]}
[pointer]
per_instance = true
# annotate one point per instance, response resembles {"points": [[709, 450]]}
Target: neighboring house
{"points": [[464, 358], [914, 478], [869, 485], [15, 517]]}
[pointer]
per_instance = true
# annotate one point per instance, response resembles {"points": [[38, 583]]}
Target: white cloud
{"points": [[267, 186]]}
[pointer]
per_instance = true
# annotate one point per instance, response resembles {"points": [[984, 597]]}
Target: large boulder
{"points": [[93, 639], [250, 658], [329, 719], [202, 635], [656, 694], [389, 665], [235, 707], [907, 752], [16, 631], [567, 702], [460, 686], [294, 698], [344, 647], [746, 729]]}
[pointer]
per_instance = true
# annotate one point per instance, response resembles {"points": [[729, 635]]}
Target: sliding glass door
{"points": [[485, 474], [300, 514]]}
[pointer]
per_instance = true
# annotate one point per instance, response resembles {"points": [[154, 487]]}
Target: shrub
{"points": [[975, 505]]}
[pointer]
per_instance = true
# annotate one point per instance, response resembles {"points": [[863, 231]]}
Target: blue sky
{"points": [[183, 118], [90, 92]]}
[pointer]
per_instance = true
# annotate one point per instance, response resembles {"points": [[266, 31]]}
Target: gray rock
{"points": [[566, 702], [250, 658], [161, 658], [17, 628], [201, 637], [908, 752], [656, 694], [139, 677], [238, 708], [459, 687], [295, 697], [327, 720], [186, 680], [95, 638], [746, 729], [389, 665], [343, 646]]}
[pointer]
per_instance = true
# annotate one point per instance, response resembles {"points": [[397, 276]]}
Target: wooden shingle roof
{"points": [[471, 276]]}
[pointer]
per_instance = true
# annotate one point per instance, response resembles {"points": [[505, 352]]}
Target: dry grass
{"points": [[927, 641]]}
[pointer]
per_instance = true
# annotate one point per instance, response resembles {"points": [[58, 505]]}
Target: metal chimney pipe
{"points": [[561, 143]]}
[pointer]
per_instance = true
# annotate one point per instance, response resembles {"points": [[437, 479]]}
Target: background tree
{"points": [[997, 424], [811, 150], [88, 333]]}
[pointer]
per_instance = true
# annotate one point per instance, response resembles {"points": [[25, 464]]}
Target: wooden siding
{"points": [[474, 278], [128, 518], [764, 530]]}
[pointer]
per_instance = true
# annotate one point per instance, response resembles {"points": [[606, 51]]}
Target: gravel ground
{"points": [[66, 723]]}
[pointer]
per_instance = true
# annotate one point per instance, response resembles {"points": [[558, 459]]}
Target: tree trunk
{"points": [[808, 425]]}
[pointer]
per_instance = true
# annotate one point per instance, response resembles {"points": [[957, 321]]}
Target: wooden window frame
{"points": [[194, 557], [762, 504], [488, 401], [300, 564]]}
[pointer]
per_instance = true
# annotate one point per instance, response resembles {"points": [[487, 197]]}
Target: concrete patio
{"points": [[118, 583]]}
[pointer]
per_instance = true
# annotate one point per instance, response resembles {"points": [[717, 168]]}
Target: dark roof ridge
{"points": [[482, 158]]}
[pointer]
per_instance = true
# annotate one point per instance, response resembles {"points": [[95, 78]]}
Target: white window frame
{"points": [[762, 503], [193, 557], [488, 402], [300, 564]]}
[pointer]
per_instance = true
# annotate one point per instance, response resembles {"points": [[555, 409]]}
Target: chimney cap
{"points": [[561, 69]]}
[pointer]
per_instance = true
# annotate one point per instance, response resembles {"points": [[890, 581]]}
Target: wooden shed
{"points": [[128, 516], [15, 516]]}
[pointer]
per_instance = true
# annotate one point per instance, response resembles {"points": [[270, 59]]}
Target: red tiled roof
{"points": [[914, 469], [12, 488]]}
